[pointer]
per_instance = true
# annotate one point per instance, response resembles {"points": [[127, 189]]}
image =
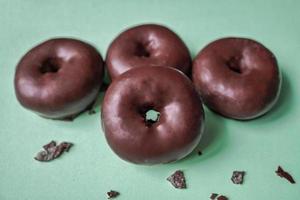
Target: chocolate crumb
{"points": [[238, 177], [222, 198], [199, 152], [112, 194], [52, 151], [213, 196], [283, 174], [177, 179]]}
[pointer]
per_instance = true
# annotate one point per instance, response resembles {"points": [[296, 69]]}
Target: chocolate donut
{"points": [[137, 139], [147, 45], [59, 78], [237, 77]]}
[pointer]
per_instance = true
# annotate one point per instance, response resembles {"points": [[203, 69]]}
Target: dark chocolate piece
{"points": [[283, 174], [112, 194], [219, 197], [52, 151], [213, 196], [238, 177], [59, 78], [222, 198], [147, 45], [230, 72], [199, 153], [177, 179], [49, 145], [164, 90]]}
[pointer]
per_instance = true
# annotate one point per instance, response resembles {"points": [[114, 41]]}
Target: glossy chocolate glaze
{"points": [[147, 45], [165, 90], [237, 77], [59, 78]]}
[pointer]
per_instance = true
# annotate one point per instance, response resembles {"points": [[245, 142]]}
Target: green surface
{"points": [[90, 169]]}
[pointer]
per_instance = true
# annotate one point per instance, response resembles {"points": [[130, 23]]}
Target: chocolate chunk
{"points": [[222, 198], [52, 151], [177, 179], [49, 145], [213, 196], [283, 174], [112, 194], [238, 177]]}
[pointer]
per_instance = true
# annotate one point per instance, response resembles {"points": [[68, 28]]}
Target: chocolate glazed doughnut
{"points": [[59, 78], [147, 45], [237, 77], [135, 138]]}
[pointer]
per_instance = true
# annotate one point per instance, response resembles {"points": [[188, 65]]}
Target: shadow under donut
{"points": [[284, 103], [213, 139]]}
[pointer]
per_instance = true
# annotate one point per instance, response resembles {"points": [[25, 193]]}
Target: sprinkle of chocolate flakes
{"points": [[283, 174], [112, 194], [219, 197], [52, 151], [177, 179], [238, 177]]}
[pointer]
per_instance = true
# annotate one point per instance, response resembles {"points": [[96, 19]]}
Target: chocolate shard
{"points": [[218, 197], [112, 194], [283, 174], [213, 196], [52, 151], [222, 197], [238, 177], [177, 179], [49, 145]]}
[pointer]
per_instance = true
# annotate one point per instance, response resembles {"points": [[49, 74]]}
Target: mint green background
{"points": [[90, 169]]}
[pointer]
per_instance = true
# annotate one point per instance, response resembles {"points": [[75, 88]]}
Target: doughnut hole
{"points": [[49, 65], [234, 64], [151, 117], [149, 114], [142, 50]]}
